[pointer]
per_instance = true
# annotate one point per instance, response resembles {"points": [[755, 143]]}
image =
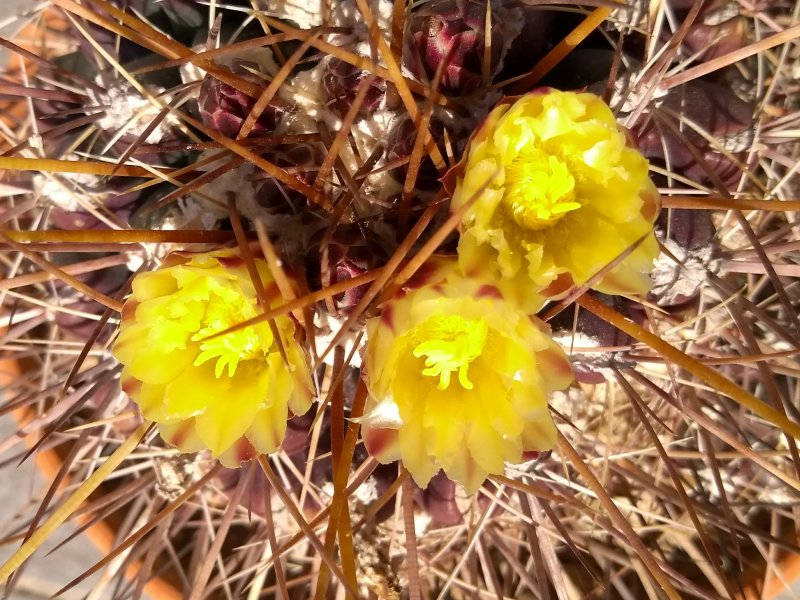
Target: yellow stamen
{"points": [[450, 344], [223, 311], [540, 189]]}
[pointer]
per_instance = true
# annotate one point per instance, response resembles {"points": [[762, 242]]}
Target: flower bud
{"points": [[715, 40], [224, 108], [400, 145], [303, 161], [454, 30], [348, 255], [340, 83]]}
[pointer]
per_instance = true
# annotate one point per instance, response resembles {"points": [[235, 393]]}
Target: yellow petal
{"points": [[156, 367], [466, 471], [151, 402], [192, 392], [230, 416], [539, 433], [268, 428], [419, 463], [182, 435], [153, 284]]}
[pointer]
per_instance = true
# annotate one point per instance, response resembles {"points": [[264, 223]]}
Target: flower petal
{"points": [[231, 415], [539, 433]]}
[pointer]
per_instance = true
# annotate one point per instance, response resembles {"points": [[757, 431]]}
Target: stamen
{"points": [[450, 344], [242, 345], [540, 189]]}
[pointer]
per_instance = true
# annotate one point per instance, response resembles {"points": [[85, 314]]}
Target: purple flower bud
{"points": [[346, 266], [453, 30], [303, 161], [400, 144], [340, 82], [224, 108], [713, 41], [348, 255]]}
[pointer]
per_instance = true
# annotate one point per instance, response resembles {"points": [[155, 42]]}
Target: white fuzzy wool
{"points": [[368, 134], [673, 281], [68, 191], [328, 327], [127, 111], [305, 13], [309, 14]]}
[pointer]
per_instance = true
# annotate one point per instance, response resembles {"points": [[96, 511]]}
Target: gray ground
{"points": [[45, 574]]}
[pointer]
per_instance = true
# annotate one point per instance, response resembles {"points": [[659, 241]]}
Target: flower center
{"points": [[449, 344], [225, 309], [540, 190]]}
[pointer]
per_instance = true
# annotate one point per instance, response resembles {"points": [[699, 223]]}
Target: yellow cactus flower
{"points": [[458, 379], [566, 195], [231, 394]]}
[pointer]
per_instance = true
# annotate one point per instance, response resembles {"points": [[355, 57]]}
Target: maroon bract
{"points": [[298, 433], [253, 498], [340, 83], [224, 108], [446, 504], [453, 30], [439, 501], [296, 445]]}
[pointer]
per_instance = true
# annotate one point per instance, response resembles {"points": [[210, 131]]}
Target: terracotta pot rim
{"points": [[100, 534]]}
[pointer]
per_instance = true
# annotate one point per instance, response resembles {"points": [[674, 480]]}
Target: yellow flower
{"points": [[565, 197], [231, 394], [458, 379]]}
